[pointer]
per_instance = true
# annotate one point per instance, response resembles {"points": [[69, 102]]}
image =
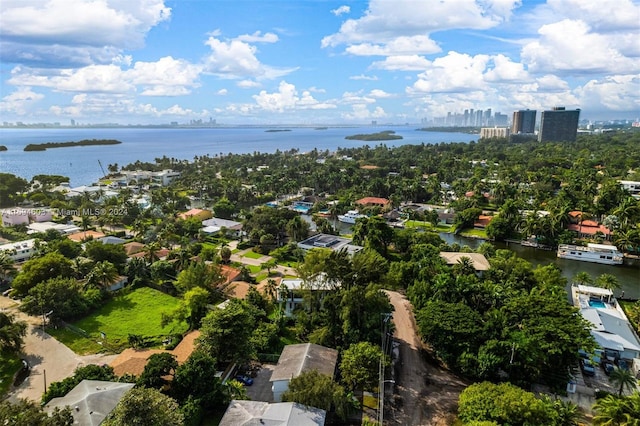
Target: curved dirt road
{"points": [[425, 393]]}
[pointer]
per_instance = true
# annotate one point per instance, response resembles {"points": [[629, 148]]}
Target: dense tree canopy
{"points": [[145, 407]]}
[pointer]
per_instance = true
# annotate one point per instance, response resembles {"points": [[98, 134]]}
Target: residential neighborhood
{"points": [[236, 294]]}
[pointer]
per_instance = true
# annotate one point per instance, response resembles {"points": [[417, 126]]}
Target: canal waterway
{"points": [[628, 274]]}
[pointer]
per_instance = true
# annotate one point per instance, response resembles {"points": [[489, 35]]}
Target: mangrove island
{"points": [[85, 142]]}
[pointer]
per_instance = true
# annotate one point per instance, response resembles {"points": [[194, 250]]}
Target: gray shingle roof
{"points": [[296, 359], [250, 413]]}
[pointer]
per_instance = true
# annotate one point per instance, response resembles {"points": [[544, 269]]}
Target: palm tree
{"points": [[102, 275], [608, 281], [623, 378], [582, 278], [627, 211], [611, 411], [12, 333], [271, 289], [6, 265], [151, 252]]}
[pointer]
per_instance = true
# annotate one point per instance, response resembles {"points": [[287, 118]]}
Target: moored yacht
{"points": [[350, 217], [595, 253]]}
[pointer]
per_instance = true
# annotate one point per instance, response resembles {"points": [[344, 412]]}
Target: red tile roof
{"points": [[589, 230], [372, 200]]}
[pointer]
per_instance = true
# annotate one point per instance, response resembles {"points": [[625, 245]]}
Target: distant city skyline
{"points": [[311, 62]]}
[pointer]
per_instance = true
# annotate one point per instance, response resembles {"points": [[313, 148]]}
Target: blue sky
{"points": [[314, 62]]}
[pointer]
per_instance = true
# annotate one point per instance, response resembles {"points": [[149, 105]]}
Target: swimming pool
{"points": [[598, 304]]}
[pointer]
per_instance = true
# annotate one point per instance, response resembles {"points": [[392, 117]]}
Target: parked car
{"points": [[245, 380], [587, 367], [607, 367]]}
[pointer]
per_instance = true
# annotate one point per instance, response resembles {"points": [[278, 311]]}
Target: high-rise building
{"points": [[558, 125], [524, 121], [500, 119]]}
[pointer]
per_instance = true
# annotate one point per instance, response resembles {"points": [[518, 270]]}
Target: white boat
{"points": [[595, 253], [350, 217]]}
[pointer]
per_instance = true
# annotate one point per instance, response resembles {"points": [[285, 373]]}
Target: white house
{"points": [[215, 224], [297, 359], [12, 217], [250, 413], [19, 251], [609, 325], [91, 401], [632, 186], [292, 297]]}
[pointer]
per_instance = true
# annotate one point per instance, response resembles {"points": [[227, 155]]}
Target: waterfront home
{"points": [[609, 325], [301, 358], [198, 214], [19, 251], [590, 229], [13, 217], [373, 202], [332, 242], [482, 221], [134, 177], [478, 261], [215, 224], [249, 413]]}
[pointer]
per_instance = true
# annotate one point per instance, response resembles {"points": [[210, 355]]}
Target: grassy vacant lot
{"points": [[252, 255], [138, 312], [9, 366], [427, 226], [474, 233]]}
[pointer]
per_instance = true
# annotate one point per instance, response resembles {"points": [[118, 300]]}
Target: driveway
{"points": [[261, 388], [425, 393], [50, 360]]}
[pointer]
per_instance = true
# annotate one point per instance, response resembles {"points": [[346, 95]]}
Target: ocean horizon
{"points": [[81, 165]]}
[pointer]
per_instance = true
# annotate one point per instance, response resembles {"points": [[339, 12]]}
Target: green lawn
{"points": [[633, 314], [474, 233], [253, 255], [9, 366], [261, 277], [138, 312], [254, 269]]}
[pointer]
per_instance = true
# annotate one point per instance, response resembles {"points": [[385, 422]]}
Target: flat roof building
{"points": [[559, 125], [524, 122]]}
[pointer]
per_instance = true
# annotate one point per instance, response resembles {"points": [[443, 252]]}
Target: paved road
{"points": [[427, 394], [46, 356]]}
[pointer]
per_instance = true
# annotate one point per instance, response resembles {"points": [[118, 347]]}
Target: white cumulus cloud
{"points": [[287, 98], [341, 10]]}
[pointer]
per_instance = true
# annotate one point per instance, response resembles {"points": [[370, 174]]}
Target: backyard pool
{"points": [[597, 304]]}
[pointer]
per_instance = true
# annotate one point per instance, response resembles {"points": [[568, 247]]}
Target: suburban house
{"points": [[91, 401], [133, 361], [373, 202], [250, 413], [118, 283], [37, 227], [292, 297], [632, 186], [482, 221], [85, 236], [333, 242], [609, 325], [215, 224], [133, 247], [300, 358], [20, 216], [19, 251], [110, 239], [198, 214], [163, 178], [590, 229], [479, 262]]}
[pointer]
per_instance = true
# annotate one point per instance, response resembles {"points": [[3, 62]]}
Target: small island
{"points": [[3, 148], [321, 128], [85, 142], [387, 135], [278, 130]]}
